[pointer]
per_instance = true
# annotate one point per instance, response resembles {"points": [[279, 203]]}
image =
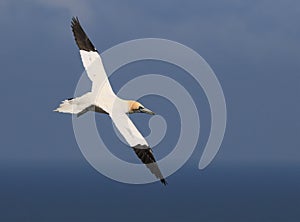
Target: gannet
{"points": [[103, 100]]}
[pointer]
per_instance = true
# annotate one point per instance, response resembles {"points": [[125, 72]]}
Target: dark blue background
{"points": [[254, 50]]}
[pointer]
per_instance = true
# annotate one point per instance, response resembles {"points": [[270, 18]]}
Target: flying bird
{"points": [[103, 100]]}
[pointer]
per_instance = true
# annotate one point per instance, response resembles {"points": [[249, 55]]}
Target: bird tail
{"points": [[78, 105]]}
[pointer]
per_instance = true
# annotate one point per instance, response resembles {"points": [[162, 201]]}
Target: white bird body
{"points": [[102, 99]]}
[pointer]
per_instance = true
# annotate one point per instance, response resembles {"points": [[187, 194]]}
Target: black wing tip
{"points": [[82, 40], [164, 182], [74, 21], [75, 24], [145, 154]]}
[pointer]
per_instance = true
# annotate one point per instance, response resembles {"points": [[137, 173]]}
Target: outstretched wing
{"points": [[140, 146], [91, 60]]}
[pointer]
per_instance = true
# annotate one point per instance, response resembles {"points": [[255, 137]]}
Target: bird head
{"points": [[136, 107]]}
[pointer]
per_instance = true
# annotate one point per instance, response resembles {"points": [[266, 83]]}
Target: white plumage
{"points": [[102, 99]]}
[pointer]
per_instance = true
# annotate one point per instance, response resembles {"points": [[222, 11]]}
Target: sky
{"points": [[253, 48]]}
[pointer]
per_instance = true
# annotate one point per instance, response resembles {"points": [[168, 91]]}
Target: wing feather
{"points": [[145, 154], [91, 60], [138, 143], [81, 38]]}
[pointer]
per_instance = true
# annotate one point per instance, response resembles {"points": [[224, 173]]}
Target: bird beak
{"points": [[147, 111]]}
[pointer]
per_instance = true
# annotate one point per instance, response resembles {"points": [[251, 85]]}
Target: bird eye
{"points": [[141, 107]]}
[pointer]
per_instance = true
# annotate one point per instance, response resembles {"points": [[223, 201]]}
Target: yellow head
{"points": [[136, 107]]}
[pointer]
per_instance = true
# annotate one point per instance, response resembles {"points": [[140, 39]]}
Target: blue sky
{"points": [[253, 47]]}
